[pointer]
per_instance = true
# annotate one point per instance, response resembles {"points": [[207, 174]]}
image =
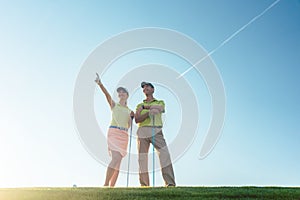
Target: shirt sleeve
{"points": [[162, 103]]}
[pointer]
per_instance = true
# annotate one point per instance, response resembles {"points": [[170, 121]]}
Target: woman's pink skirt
{"points": [[117, 140]]}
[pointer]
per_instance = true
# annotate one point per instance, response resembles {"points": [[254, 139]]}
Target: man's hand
{"points": [[158, 107], [98, 81], [154, 111], [147, 107]]}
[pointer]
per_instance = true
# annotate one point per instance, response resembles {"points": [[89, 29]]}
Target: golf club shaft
{"points": [[130, 137], [153, 158]]}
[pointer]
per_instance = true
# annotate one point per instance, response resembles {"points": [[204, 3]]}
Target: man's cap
{"points": [[119, 89], [146, 83]]}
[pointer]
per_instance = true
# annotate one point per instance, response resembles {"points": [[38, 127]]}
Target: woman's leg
{"points": [[113, 169], [114, 178], [109, 173]]}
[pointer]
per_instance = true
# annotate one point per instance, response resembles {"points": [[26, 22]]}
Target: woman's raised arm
{"points": [[106, 93]]}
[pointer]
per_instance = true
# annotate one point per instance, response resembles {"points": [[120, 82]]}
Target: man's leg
{"points": [[165, 159], [143, 148]]}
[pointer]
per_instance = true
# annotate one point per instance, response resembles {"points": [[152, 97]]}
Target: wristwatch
{"points": [[143, 107]]}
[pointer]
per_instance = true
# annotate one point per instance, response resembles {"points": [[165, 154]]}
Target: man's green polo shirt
{"points": [[157, 118]]}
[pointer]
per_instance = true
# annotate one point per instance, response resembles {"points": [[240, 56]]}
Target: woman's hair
{"points": [[119, 89]]}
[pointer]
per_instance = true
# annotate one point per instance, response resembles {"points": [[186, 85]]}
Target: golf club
{"points": [[153, 155], [130, 138]]}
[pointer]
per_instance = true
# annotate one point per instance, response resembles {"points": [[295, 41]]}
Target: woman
{"points": [[117, 136]]}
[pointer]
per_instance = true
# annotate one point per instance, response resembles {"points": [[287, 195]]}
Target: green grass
{"points": [[150, 193]]}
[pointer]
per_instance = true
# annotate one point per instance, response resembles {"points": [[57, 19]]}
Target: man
{"points": [[148, 117]]}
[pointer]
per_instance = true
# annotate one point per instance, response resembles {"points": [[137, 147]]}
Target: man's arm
{"points": [[160, 107], [140, 117]]}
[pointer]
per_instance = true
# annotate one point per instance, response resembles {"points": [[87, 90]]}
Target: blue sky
{"points": [[44, 43]]}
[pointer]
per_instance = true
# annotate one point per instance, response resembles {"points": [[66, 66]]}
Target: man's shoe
{"points": [[171, 185]]}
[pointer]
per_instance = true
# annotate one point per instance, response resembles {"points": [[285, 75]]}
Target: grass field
{"points": [[150, 193]]}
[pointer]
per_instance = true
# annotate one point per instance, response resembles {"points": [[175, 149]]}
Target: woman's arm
{"points": [[131, 118], [106, 93]]}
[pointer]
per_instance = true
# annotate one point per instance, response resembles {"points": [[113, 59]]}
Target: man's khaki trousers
{"points": [[144, 140]]}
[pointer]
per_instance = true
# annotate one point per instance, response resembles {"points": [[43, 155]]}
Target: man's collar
{"points": [[145, 100]]}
